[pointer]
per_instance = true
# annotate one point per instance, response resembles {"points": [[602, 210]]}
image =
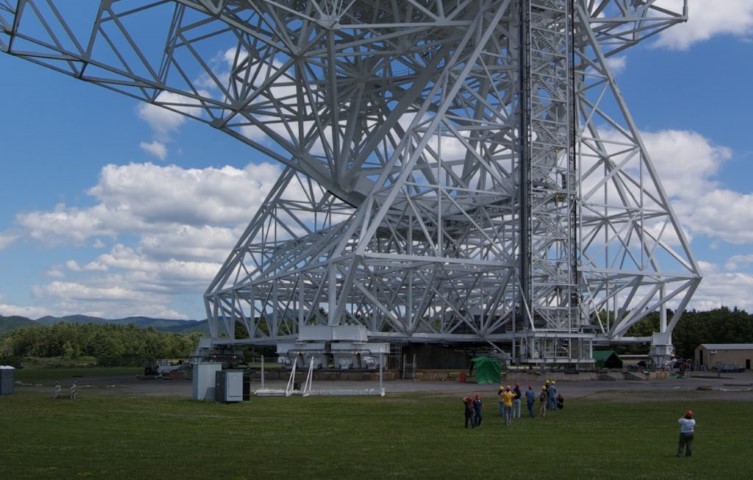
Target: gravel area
{"points": [[698, 386]]}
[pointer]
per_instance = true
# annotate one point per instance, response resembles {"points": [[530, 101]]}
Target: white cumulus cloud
{"points": [[161, 233], [686, 161], [165, 117], [7, 239], [24, 311], [155, 148], [162, 121], [707, 19]]}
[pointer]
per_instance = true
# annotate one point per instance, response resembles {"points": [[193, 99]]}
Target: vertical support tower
{"points": [[550, 293]]}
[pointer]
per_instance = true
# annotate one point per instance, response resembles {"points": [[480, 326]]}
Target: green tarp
{"points": [[487, 370], [606, 359]]}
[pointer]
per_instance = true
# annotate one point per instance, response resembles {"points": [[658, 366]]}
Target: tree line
{"points": [[720, 325], [111, 345], [130, 345]]}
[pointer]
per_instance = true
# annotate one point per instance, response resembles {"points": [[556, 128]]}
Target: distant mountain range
{"points": [[161, 324]]}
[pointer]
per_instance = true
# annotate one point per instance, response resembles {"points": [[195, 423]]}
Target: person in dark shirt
{"points": [[543, 400], [516, 401], [478, 409], [469, 412]]}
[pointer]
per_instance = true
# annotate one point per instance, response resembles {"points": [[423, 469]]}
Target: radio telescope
{"points": [[456, 171]]}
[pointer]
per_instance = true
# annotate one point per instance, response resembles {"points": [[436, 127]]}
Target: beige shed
{"points": [[726, 356]]}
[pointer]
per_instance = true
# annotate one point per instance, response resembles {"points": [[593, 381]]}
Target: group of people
{"points": [[511, 400], [549, 399]]}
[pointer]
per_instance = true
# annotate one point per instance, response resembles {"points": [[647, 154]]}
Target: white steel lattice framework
{"points": [[456, 170]]}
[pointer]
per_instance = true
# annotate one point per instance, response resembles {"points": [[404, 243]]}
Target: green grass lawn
{"points": [[399, 436]]}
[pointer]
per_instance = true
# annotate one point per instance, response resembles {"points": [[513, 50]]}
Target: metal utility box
{"points": [[204, 379], [6, 379], [228, 386]]}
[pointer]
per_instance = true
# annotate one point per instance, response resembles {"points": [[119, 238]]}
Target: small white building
{"points": [[708, 355]]}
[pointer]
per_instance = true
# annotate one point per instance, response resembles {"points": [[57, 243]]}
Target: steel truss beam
{"points": [[457, 171]]}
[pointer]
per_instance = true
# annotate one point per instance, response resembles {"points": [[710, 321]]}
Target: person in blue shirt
{"points": [[552, 394], [530, 400]]}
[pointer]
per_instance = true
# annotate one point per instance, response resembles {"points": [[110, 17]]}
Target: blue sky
{"points": [[97, 194]]}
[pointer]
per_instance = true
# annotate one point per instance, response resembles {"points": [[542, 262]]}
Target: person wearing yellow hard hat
{"points": [[507, 396], [543, 399], [552, 394]]}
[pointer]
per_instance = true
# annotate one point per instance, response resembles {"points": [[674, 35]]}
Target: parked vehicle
{"points": [[729, 368]]}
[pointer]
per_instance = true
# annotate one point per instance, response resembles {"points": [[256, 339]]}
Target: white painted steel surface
{"points": [[457, 171]]}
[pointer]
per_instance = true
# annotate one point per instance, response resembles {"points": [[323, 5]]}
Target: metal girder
{"points": [[457, 171]]}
